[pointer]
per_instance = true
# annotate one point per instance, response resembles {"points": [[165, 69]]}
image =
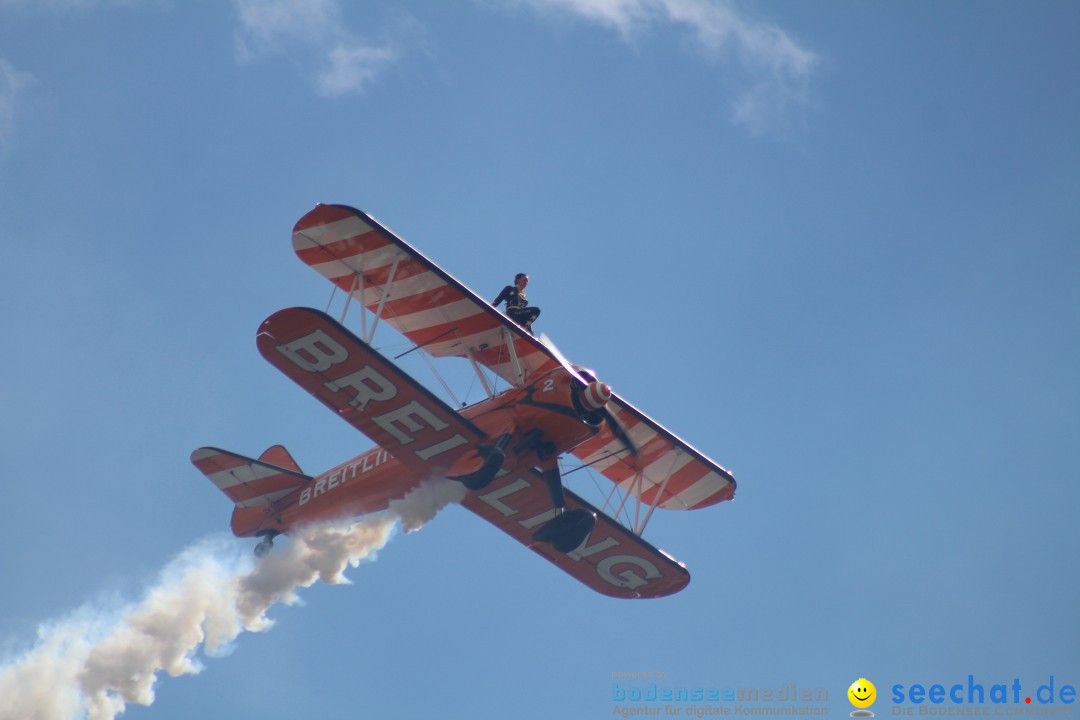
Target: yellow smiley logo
{"points": [[862, 693]]}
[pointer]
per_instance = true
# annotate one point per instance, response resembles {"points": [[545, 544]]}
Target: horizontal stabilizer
{"points": [[246, 481]]}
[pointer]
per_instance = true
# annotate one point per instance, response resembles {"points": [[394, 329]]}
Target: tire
{"points": [[483, 477], [566, 532]]}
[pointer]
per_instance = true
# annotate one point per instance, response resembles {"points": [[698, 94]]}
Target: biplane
{"points": [[505, 449]]}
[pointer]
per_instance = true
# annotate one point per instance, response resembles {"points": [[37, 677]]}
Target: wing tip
{"points": [[323, 213]]}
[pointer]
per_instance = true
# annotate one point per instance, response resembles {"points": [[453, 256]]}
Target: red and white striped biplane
{"points": [[505, 449]]}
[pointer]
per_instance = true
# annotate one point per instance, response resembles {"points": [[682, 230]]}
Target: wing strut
{"points": [[357, 290], [441, 379], [659, 494], [358, 279], [634, 489], [483, 379], [382, 301], [626, 497], [514, 362]]}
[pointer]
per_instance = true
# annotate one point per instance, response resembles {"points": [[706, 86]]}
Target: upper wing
{"points": [[664, 466], [414, 295], [365, 389], [437, 312]]}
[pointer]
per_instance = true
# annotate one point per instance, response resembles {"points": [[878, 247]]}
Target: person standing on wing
{"points": [[517, 305]]}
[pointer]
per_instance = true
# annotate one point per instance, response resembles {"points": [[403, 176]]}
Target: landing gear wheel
{"points": [[264, 547], [566, 531], [493, 462]]}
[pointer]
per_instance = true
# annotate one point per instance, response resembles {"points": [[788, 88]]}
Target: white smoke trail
{"points": [[92, 666]]}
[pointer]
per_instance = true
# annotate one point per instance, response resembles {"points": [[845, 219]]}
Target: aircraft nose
{"points": [[596, 395]]}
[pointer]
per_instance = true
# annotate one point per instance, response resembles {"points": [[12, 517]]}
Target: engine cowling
{"points": [[589, 401]]}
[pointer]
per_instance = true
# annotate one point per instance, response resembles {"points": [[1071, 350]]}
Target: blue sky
{"points": [[835, 247]]}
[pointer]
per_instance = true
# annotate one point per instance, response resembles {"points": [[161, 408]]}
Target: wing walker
{"points": [[505, 449]]}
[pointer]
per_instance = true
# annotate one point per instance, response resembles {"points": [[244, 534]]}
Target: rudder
{"points": [[278, 455]]}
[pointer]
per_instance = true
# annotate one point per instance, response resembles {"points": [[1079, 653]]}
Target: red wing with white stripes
{"points": [[664, 472], [365, 389], [401, 287]]}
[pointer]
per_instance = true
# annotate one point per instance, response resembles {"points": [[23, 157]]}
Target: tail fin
{"points": [[278, 455], [253, 485]]}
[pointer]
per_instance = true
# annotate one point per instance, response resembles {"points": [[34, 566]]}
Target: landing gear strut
{"points": [[491, 458], [568, 529]]}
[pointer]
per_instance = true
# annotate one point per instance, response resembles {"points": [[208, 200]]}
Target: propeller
{"points": [[595, 395]]}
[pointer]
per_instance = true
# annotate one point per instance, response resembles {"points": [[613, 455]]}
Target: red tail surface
{"points": [[254, 485]]}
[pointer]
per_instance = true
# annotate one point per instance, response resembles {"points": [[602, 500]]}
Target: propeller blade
{"points": [[547, 342], [619, 431]]}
